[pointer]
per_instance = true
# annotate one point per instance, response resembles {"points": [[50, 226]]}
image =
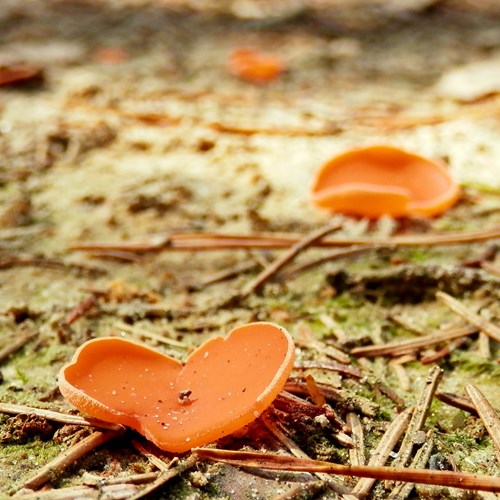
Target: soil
{"points": [[127, 126]]}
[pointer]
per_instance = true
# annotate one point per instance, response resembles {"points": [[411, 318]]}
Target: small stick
{"points": [[401, 374], [402, 490], [166, 476], [217, 241], [297, 452], [419, 416], [491, 268], [488, 415], [383, 450], [484, 345], [108, 491], [295, 249], [331, 257], [143, 478], [245, 267], [46, 263], [303, 490], [314, 391], [68, 457], [445, 351], [56, 416], [84, 306], [460, 402], [156, 461], [334, 328], [288, 402], [330, 366], [396, 348], [135, 330], [16, 345], [286, 463], [357, 452], [482, 324], [348, 400]]}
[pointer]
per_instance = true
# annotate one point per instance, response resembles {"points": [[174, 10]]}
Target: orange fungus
{"points": [[254, 66], [383, 180], [223, 385]]}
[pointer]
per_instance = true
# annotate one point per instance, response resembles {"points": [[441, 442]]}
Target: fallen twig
{"points": [[167, 475], [286, 463], [482, 324], [217, 241], [56, 416], [295, 249], [460, 402], [68, 457], [357, 452], [445, 351], [404, 346], [84, 306], [383, 450], [402, 490], [108, 491], [16, 345], [331, 257], [487, 414], [415, 428]]}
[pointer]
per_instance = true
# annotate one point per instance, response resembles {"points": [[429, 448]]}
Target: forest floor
{"points": [[130, 129]]}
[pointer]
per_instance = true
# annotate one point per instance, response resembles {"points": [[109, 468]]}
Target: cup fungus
{"points": [[383, 180], [224, 384], [254, 66]]}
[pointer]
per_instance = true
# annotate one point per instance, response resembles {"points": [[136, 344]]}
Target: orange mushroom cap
{"points": [[383, 180], [224, 385], [254, 66]]}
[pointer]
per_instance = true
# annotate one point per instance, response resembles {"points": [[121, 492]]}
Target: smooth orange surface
{"points": [[232, 380], [383, 180], [254, 66]]}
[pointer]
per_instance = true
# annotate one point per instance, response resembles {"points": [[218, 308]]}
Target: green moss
{"points": [[19, 462]]}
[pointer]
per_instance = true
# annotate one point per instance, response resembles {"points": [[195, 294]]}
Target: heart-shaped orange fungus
{"points": [[224, 384], [383, 180], [254, 66]]}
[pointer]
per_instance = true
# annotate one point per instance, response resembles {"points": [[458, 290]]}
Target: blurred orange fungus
{"points": [[384, 180], [254, 66]]}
